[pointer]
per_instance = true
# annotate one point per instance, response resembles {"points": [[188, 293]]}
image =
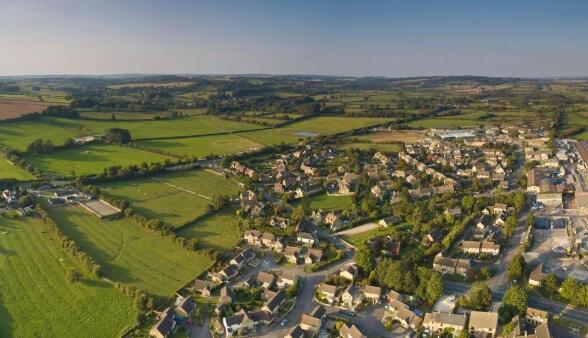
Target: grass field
{"points": [[177, 198], [218, 231], [37, 301], [119, 115], [325, 125], [445, 123], [8, 170], [129, 254], [358, 239], [19, 134], [385, 147], [204, 145], [90, 159], [329, 203]]}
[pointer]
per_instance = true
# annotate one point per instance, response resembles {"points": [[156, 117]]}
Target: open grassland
{"points": [[358, 239], [37, 301], [201, 146], [129, 254], [13, 108], [219, 231], [90, 159], [8, 170], [177, 198], [324, 125], [328, 203]]}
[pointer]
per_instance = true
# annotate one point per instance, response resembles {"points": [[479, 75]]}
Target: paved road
{"points": [[358, 229]]}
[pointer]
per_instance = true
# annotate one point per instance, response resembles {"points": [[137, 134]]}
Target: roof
{"points": [[537, 313], [291, 250], [165, 323], [318, 312], [490, 245], [187, 305], [200, 284], [537, 274], [258, 316], [351, 332], [268, 236], [276, 300], [470, 245], [445, 318], [372, 290], [542, 331], [317, 253], [288, 276], [230, 270], [265, 277], [483, 320], [296, 332], [327, 288], [353, 290], [226, 293], [309, 320], [237, 318], [305, 235]]}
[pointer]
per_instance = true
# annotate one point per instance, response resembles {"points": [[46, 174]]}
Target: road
{"points": [[358, 229]]}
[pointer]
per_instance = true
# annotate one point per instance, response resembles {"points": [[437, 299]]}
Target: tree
{"points": [[549, 284], [479, 297], [519, 201], [117, 136], [435, 287], [485, 273], [72, 275], [467, 202], [299, 213], [514, 303], [364, 258], [516, 267]]}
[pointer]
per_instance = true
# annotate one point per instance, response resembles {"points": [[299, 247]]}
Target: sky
{"points": [[324, 37]]}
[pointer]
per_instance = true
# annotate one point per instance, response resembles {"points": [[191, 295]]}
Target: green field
{"points": [[91, 159], [219, 231], [19, 134], [177, 198], [119, 115], [37, 301], [328, 203], [445, 123], [129, 254], [203, 145], [385, 147], [8, 170], [324, 125]]}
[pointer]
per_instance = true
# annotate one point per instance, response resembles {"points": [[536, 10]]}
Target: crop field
{"points": [[37, 301], [325, 125], [8, 170], [445, 123], [12, 108], [90, 159], [201, 146], [176, 198], [219, 232], [130, 254]]}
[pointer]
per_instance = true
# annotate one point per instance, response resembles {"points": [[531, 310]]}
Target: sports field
{"points": [[219, 231], [204, 145], [37, 301], [176, 198], [8, 170], [324, 125], [130, 254], [91, 159]]}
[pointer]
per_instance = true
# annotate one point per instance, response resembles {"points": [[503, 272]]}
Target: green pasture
{"points": [[8, 170], [201, 146], [218, 231], [328, 203]]}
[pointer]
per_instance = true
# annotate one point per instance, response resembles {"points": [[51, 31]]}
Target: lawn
{"points": [[328, 203], [358, 239], [8, 170], [19, 134], [36, 300], [203, 145], [176, 198], [324, 125], [90, 159], [130, 254], [218, 231]]}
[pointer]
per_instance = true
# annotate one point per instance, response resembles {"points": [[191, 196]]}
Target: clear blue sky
{"points": [[387, 38]]}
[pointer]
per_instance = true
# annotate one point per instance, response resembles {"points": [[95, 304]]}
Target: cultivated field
{"points": [[8, 170], [406, 136], [176, 198], [11, 108], [37, 301], [90, 159], [201, 146], [219, 231], [130, 254]]}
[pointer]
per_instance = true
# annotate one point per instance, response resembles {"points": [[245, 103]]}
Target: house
{"points": [[499, 208], [185, 308], [352, 296], [277, 245], [455, 212], [439, 321], [377, 191], [165, 326], [389, 221], [266, 280], [203, 287], [305, 238], [280, 222], [470, 247], [313, 321], [267, 239], [226, 294], [536, 317], [328, 292], [239, 322], [483, 324], [296, 332], [274, 302], [373, 293], [242, 258], [542, 331], [229, 272], [351, 332], [313, 256], [333, 220], [483, 222], [444, 264], [490, 248], [434, 236], [292, 254], [536, 276], [462, 267], [252, 237], [406, 317], [350, 272], [286, 280]]}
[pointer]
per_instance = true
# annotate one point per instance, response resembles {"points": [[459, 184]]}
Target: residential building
{"points": [[165, 326], [328, 292], [439, 321], [352, 296], [483, 324], [351, 332]]}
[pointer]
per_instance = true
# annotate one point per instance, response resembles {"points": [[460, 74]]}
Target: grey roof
{"points": [[166, 322], [187, 305], [445, 318], [327, 288], [296, 332], [276, 300]]}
